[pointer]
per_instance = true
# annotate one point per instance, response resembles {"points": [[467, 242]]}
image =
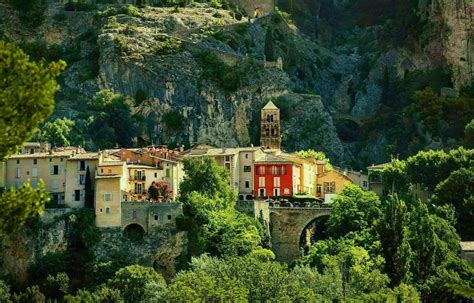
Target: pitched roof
{"points": [[270, 105], [271, 158]]}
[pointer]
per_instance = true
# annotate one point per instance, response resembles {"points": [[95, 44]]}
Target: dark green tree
{"points": [[132, 281], [269, 45], [393, 233], [88, 190], [26, 96]]}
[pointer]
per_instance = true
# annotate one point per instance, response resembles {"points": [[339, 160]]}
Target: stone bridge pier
{"points": [[287, 226]]}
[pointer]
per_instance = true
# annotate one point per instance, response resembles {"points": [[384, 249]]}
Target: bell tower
{"points": [[270, 127]]}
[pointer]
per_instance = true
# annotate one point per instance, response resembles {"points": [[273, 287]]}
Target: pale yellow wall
{"points": [[246, 176], [296, 179], [108, 186], [109, 169], [332, 176], [72, 180], [309, 178], [43, 167]]}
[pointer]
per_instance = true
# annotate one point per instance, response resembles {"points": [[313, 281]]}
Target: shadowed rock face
{"points": [[348, 53]]}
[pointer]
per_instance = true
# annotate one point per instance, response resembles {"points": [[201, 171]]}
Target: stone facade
{"points": [[150, 216], [286, 228]]}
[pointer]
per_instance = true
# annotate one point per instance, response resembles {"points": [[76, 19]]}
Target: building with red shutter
{"points": [[276, 176]]}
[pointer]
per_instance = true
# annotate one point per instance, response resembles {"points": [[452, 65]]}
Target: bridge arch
{"points": [[315, 229], [134, 231], [287, 226]]}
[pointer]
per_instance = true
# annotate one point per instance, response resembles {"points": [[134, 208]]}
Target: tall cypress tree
{"points": [[89, 191], [269, 45]]}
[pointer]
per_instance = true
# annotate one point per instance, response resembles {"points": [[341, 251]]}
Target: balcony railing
{"points": [[140, 192], [137, 178]]}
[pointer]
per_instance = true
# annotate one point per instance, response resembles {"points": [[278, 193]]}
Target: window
{"points": [[77, 195], [156, 217], [318, 188], [50, 159], [261, 192], [107, 210], [107, 197], [227, 158], [138, 188], [261, 170], [329, 187], [274, 170], [35, 161], [17, 161], [101, 170], [82, 179], [246, 156], [276, 182], [32, 150], [227, 165], [34, 183], [276, 192], [61, 159], [55, 169], [100, 210], [247, 169], [247, 184], [81, 165], [55, 184], [156, 175], [261, 181], [364, 183], [283, 170], [17, 172], [169, 217], [286, 191]]}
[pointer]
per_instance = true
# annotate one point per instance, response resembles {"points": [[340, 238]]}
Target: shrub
{"points": [[167, 46]]}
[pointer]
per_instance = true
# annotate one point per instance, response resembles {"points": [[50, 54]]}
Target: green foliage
{"points": [[18, 206], [469, 134], [354, 212], [316, 155], [103, 294], [205, 186], [231, 234], [132, 280], [458, 190], [31, 11], [229, 78], [188, 286], [430, 108], [269, 45], [167, 46], [112, 122], [128, 9], [31, 294], [60, 132], [26, 96], [393, 233], [5, 294], [59, 283], [173, 121]]}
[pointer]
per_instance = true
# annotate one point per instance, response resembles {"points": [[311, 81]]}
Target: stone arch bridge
{"points": [[286, 227]]}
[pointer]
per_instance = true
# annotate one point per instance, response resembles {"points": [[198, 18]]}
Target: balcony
{"points": [[139, 192], [137, 178]]}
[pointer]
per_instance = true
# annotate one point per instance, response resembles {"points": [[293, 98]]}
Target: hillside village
{"points": [[107, 179]]}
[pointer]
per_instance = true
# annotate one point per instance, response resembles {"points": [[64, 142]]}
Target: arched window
{"points": [[268, 118], [267, 131], [271, 118], [273, 132]]}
